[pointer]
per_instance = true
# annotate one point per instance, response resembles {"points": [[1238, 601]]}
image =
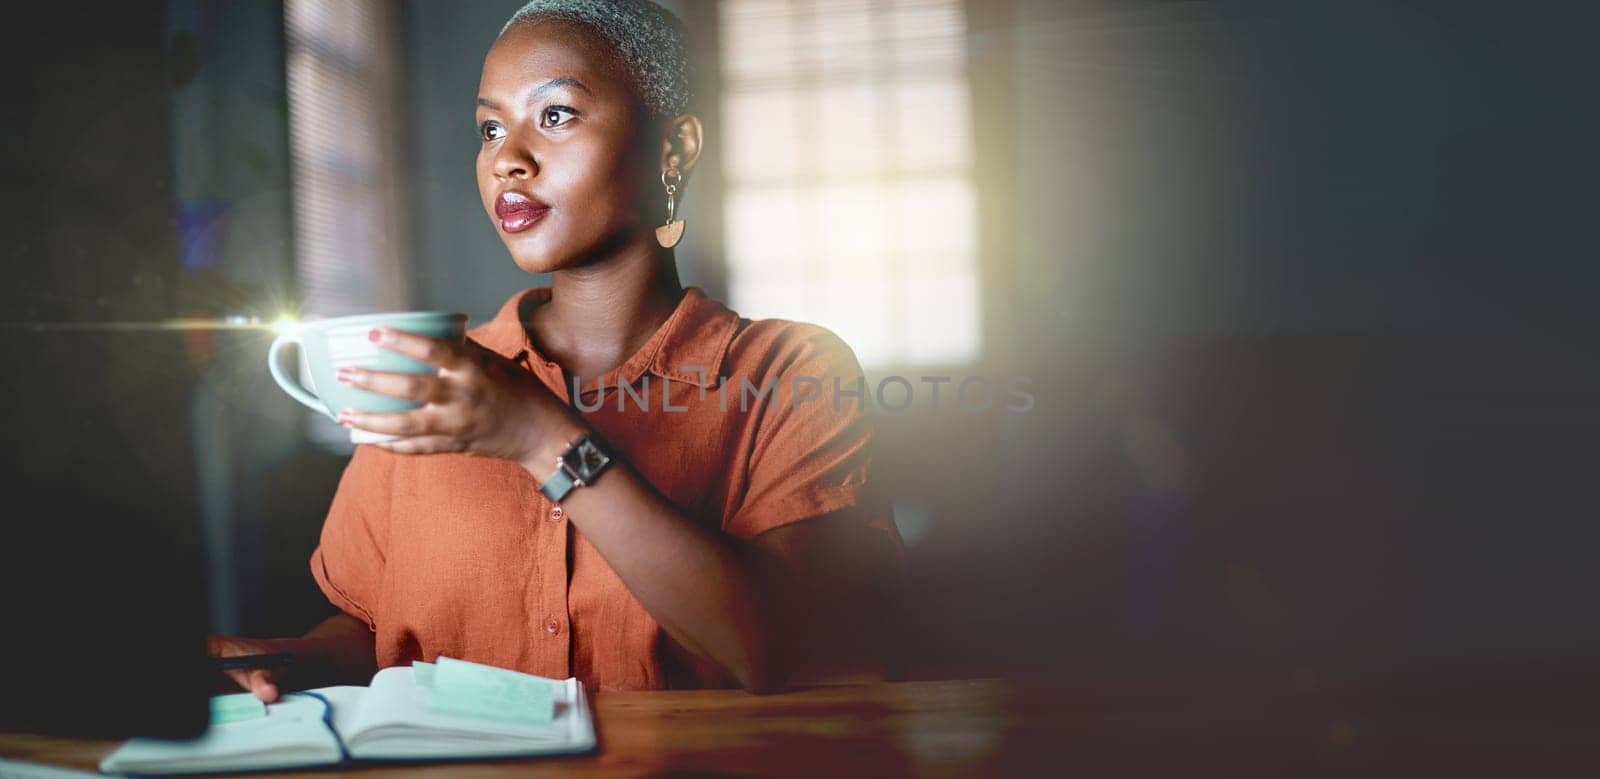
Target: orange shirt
{"points": [[462, 556]]}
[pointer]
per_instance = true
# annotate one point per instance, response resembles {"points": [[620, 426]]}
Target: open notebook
{"points": [[390, 719]]}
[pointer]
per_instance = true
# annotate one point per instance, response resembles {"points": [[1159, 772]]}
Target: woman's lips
{"points": [[516, 221], [518, 212]]}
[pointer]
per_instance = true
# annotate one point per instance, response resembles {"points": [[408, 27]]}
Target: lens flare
{"points": [[284, 324]]}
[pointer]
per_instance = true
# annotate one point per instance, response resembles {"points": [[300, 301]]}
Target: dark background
{"points": [[1305, 291], [105, 596]]}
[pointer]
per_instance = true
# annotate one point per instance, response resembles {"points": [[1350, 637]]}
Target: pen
{"points": [[252, 662]]}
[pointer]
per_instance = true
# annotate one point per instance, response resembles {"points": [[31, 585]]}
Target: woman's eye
{"points": [[487, 131], [552, 116]]}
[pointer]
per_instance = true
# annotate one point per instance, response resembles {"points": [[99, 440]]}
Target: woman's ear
{"points": [[681, 144]]}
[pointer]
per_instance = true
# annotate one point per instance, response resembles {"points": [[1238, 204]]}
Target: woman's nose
{"points": [[514, 161]]}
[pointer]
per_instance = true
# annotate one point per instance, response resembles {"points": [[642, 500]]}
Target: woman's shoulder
{"points": [[779, 345]]}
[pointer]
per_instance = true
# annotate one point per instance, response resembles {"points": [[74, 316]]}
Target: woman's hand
{"points": [[266, 683], [478, 403]]}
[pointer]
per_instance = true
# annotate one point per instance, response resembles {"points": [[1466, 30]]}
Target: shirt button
{"points": [[552, 627], [556, 514]]}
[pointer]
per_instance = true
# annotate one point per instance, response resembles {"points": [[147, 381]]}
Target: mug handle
{"points": [[280, 374]]}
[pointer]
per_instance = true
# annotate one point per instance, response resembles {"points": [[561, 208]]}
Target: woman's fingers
{"points": [[402, 423], [421, 387], [438, 352], [263, 682], [221, 646], [428, 444], [237, 680]]}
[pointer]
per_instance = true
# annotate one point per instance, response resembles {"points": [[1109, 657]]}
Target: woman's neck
{"points": [[599, 314]]}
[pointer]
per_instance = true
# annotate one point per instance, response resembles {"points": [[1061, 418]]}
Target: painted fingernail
{"points": [[375, 335], [343, 375], [344, 417]]}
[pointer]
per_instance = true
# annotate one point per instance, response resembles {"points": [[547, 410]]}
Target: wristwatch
{"points": [[581, 464]]}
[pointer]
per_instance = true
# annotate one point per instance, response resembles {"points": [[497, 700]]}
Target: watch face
{"points": [[590, 460]]}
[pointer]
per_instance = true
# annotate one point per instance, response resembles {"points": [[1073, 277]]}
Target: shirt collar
{"points": [[688, 346]]}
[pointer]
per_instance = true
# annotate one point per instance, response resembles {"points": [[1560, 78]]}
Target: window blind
{"points": [[850, 197], [345, 151]]}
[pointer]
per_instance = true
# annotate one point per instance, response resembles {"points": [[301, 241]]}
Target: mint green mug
{"points": [[339, 342]]}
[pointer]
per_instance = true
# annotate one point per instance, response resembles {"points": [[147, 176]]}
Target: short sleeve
{"points": [[811, 456], [348, 561]]}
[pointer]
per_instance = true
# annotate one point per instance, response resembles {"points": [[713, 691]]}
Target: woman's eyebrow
{"points": [[555, 83], [536, 92]]}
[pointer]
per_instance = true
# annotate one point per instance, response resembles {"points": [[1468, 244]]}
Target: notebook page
{"points": [[344, 704], [292, 734], [395, 723]]}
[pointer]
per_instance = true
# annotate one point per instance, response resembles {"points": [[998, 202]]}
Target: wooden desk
{"points": [[1016, 727]]}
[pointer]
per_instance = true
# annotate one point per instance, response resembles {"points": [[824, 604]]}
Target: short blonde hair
{"points": [[652, 41]]}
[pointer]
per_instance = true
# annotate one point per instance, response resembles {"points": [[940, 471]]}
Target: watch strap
{"points": [[557, 485]]}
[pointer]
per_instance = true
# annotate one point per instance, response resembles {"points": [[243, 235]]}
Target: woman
{"points": [[711, 523]]}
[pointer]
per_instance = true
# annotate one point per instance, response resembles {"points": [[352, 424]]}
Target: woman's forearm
{"points": [[714, 594], [340, 650]]}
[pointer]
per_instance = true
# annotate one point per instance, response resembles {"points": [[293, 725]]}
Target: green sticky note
{"points": [[422, 673], [473, 690], [236, 707]]}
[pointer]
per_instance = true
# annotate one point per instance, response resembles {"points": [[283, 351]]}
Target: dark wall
{"points": [[1304, 292], [1254, 166]]}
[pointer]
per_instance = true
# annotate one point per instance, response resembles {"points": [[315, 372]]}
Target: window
{"points": [[345, 106], [343, 102], [850, 198]]}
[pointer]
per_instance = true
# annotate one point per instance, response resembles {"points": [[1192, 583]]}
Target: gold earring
{"points": [[670, 233]]}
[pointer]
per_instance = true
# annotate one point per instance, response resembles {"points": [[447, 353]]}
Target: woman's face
{"points": [[564, 162]]}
